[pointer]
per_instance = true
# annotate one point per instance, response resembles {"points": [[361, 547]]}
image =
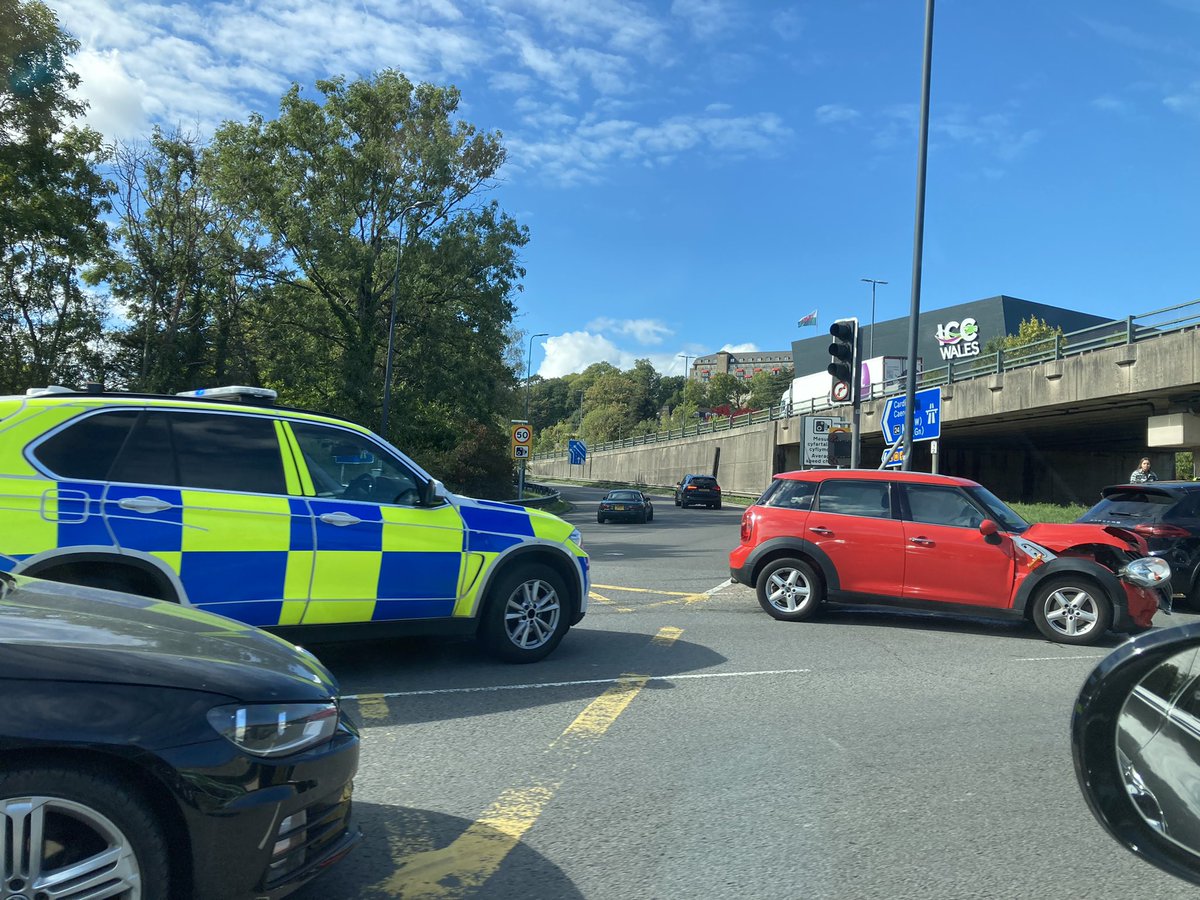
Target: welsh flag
{"points": [[810, 319]]}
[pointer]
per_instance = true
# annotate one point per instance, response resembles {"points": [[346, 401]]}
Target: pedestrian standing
{"points": [[1143, 473]]}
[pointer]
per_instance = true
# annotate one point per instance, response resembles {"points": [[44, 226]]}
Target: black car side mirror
{"points": [[1135, 737]]}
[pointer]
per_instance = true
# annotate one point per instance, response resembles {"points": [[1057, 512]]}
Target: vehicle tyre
{"points": [[1071, 610], [600, 518], [717, 505], [1191, 601], [526, 614], [645, 517], [677, 500], [650, 516], [790, 590], [91, 825]]}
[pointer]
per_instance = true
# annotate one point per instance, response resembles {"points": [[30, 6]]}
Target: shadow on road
{"points": [[461, 680], [399, 841]]}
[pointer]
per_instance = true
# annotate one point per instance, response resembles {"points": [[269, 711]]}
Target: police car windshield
{"points": [[997, 509]]}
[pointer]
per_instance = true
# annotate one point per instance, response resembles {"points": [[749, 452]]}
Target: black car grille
{"points": [[306, 834]]}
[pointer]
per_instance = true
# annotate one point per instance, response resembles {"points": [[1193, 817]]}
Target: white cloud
{"points": [[833, 113], [706, 18], [741, 348], [1109, 103], [576, 350], [1187, 102], [117, 99], [644, 331]]}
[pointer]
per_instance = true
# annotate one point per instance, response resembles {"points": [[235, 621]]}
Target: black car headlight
{"points": [[275, 729]]}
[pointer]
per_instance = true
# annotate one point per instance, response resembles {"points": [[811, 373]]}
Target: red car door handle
{"points": [[924, 542], [819, 529]]}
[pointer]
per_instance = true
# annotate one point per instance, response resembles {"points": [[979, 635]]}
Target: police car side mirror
{"points": [[1135, 737], [429, 493]]}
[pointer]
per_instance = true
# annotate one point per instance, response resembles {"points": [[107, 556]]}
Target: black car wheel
{"points": [[650, 516], [677, 501], [71, 828], [1071, 610], [790, 590], [600, 518], [526, 616]]}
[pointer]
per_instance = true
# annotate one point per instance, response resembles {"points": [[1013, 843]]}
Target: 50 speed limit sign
{"points": [[522, 438]]}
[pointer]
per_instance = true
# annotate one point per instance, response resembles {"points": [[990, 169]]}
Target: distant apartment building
{"points": [[741, 365]]}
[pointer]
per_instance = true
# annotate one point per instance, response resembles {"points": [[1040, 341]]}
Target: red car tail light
{"points": [[1161, 531], [747, 526]]}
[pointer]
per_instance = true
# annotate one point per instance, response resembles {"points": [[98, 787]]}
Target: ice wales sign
{"points": [[958, 339]]}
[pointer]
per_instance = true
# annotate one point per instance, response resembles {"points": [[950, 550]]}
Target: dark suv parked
{"points": [[698, 490], [1167, 515]]}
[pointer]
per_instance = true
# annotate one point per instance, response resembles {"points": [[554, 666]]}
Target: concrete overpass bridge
{"points": [[1052, 422]]}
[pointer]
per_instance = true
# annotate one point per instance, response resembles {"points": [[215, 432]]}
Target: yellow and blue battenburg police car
{"points": [[285, 519]]}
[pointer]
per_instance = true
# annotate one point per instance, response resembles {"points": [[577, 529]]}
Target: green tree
{"points": [[51, 203], [1032, 333], [189, 275], [336, 183]]}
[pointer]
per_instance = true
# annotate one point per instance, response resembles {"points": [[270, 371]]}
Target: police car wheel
{"points": [[526, 615]]}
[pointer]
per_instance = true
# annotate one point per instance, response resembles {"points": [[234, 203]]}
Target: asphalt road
{"points": [[682, 744]]}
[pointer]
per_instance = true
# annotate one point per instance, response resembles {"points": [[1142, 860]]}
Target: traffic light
{"points": [[843, 352]]}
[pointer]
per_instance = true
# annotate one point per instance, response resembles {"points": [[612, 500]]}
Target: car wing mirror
{"points": [[1135, 737], [988, 527], [431, 493]]}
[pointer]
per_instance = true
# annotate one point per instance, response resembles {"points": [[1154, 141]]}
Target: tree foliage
{"points": [[51, 203], [1031, 332]]}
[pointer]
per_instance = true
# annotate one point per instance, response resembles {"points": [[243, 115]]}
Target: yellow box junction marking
{"points": [[667, 636], [684, 597], [464, 866]]}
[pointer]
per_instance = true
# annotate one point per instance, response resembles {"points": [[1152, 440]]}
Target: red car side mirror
{"points": [[987, 528]]}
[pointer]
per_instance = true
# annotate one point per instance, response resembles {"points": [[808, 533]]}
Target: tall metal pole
{"points": [[874, 281], [387, 366], [528, 375], [686, 359], [918, 242]]}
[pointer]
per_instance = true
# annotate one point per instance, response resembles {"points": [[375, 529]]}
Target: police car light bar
{"points": [[232, 392]]}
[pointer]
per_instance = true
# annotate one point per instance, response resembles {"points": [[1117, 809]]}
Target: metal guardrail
{"points": [[1115, 332], [547, 496]]}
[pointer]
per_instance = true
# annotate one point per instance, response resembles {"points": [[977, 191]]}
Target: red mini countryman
{"points": [[937, 543]]}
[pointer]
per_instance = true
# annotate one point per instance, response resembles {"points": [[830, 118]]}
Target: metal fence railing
{"points": [[1130, 330]]}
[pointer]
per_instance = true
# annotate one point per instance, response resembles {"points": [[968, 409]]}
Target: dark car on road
{"points": [[698, 490], [630, 506], [1167, 515], [936, 543], [152, 750]]}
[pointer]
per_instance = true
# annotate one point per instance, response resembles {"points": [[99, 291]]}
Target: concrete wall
{"points": [[1056, 432]]}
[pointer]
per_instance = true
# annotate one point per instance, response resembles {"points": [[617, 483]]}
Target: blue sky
{"points": [[699, 174]]}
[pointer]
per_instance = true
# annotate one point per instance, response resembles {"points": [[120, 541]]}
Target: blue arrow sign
{"points": [[577, 451], [927, 417]]}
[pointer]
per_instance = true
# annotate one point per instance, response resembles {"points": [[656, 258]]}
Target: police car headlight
{"points": [[275, 729], [1147, 571], [576, 538]]}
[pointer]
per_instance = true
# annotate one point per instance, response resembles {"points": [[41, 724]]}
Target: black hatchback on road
{"points": [[152, 750], [1167, 515]]}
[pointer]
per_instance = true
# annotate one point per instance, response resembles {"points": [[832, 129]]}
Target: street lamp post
{"points": [[387, 366], [871, 341], [528, 375], [686, 358]]}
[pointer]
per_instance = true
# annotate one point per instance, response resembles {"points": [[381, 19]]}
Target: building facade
{"points": [[954, 332], [741, 365]]}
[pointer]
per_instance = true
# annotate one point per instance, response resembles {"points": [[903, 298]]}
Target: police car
{"points": [[286, 519]]}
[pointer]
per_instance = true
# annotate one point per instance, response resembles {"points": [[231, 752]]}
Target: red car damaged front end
{"points": [[1146, 584]]}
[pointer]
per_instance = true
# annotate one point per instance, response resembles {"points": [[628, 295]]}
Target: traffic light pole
{"points": [[845, 355]]}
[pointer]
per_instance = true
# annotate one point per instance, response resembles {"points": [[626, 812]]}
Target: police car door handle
{"points": [[144, 504], [340, 519]]}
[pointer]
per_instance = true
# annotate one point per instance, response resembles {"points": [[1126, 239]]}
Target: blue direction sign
{"points": [[927, 417], [577, 451]]}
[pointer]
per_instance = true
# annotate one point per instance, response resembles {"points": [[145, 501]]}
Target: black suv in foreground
{"points": [[152, 750], [698, 490], [1167, 515]]}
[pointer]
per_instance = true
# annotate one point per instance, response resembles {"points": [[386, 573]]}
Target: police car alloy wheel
{"points": [[526, 615]]}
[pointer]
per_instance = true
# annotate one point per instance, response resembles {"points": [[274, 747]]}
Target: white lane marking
{"points": [[554, 684], [720, 587]]}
